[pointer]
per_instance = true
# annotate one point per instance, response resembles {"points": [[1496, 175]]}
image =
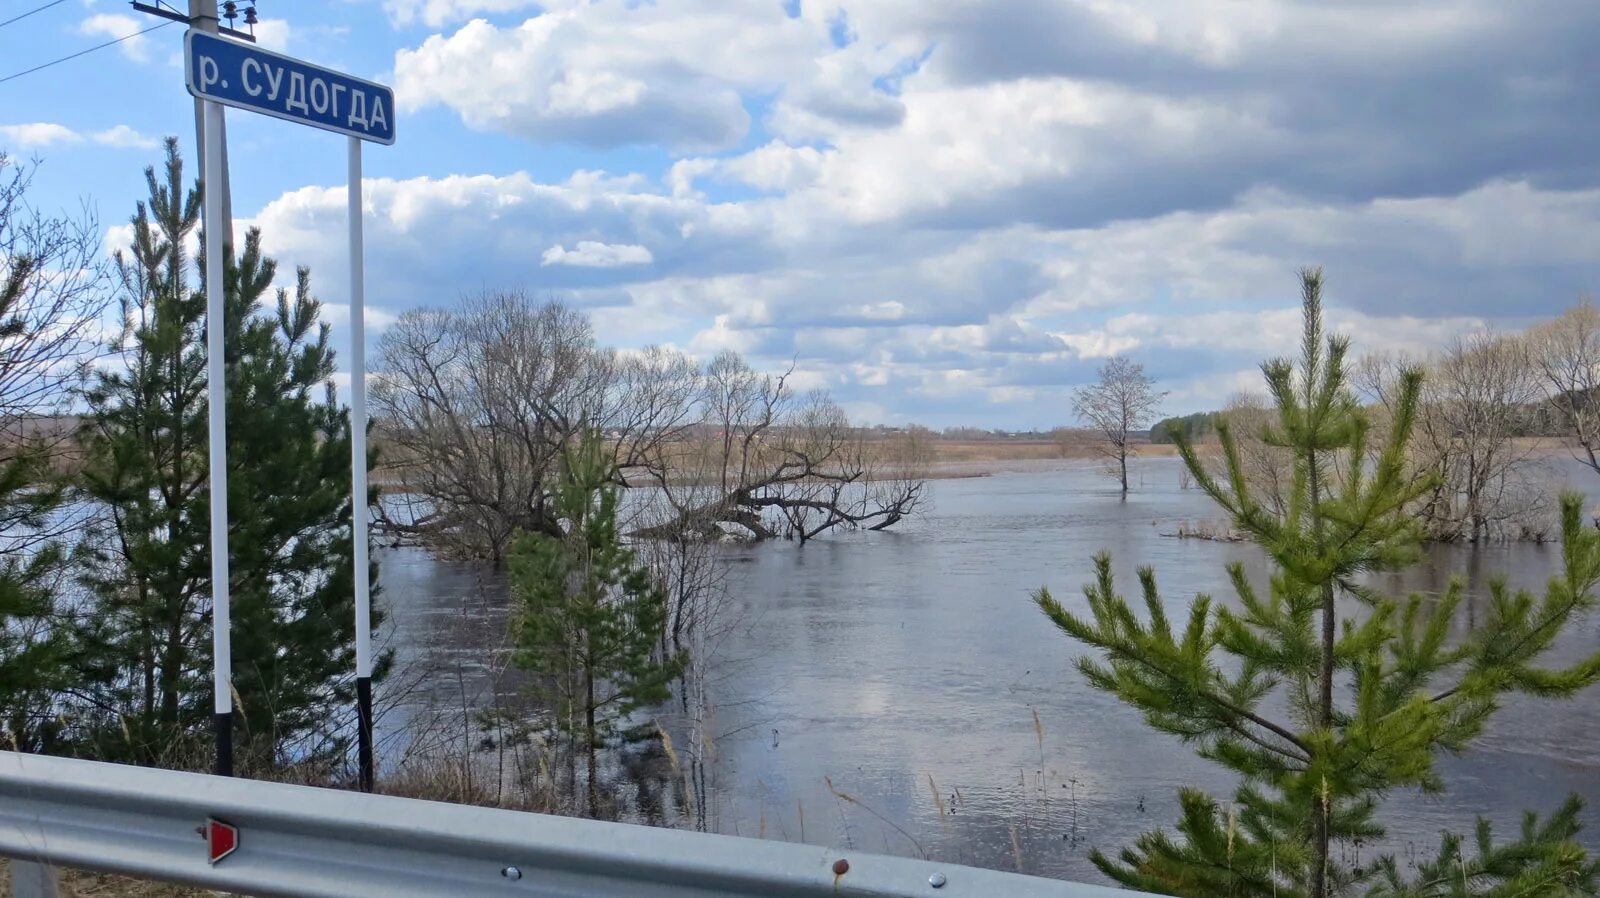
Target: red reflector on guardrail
{"points": [[222, 839]]}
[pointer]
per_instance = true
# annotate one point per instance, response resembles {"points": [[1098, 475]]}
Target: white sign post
{"points": [[358, 469], [217, 437], [228, 73]]}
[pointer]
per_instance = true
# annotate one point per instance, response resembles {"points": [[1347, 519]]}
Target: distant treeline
{"points": [[1535, 419], [1195, 427]]}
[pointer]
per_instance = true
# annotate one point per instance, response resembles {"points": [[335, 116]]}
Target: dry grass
{"points": [[83, 884], [1025, 450], [995, 450], [690, 456], [1545, 446], [451, 782]]}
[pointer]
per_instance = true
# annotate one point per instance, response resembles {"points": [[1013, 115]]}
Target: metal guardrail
{"points": [[303, 841]]}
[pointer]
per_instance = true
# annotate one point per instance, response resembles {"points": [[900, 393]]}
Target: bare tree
{"points": [[1267, 467], [1480, 394], [1121, 402], [1566, 355], [766, 462], [1377, 380], [1478, 401], [897, 471], [475, 403], [52, 294]]}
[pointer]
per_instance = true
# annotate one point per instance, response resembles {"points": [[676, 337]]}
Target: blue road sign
{"points": [[247, 77]]}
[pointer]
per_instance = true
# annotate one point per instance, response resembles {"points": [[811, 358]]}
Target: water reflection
{"points": [[910, 670]]}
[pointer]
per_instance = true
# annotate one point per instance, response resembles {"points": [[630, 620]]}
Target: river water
{"points": [[907, 664]]}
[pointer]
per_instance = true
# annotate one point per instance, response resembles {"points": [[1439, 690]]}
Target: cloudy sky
{"points": [[946, 211]]}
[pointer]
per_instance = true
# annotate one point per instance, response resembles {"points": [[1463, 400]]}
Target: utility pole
{"points": [[218, 217], [203, 17], [217, 439], [210, 125]]}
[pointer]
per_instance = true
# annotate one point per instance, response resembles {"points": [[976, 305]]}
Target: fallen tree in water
{"points": [[766, 463]]}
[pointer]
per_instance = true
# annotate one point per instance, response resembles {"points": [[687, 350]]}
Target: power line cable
{"points": [[31, 12], [83, 52]]}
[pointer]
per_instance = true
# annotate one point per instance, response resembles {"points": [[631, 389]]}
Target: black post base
{"points": [[364, 731], [224, 731]]}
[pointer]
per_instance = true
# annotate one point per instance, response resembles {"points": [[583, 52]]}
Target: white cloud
{"points": [[119, 25], [594, 254], [912, 318], [376, 319], [1260, 333], [273, 34], [1011, 395], [38, 134], [124, 136], [437, 13], [973, 144], [1211, 391], [776, 166], [1072, 113], [42, 134], [719, 337], [118, 238], [1085, 111], [615, 72], [428, 239]]}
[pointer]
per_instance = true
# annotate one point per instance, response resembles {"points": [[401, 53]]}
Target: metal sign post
{"points": [[358, 471], [217, 437], [227, 73]]}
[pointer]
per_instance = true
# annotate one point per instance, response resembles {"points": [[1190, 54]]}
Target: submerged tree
{"points": [[590, 620], [146, 630], [1566, 353], [1119, 403], [52, 292], [1311, 778], [477, 403], [765, 461], [1480, 396]]}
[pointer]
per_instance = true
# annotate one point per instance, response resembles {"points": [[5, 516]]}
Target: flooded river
{"points": [[911, 664]]}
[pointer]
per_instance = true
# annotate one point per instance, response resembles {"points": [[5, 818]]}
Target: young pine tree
{"points": [[590, 618], [1368, 701], [148, 633]]}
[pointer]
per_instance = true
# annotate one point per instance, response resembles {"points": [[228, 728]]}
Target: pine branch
{"points": [[1104, 637]]}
